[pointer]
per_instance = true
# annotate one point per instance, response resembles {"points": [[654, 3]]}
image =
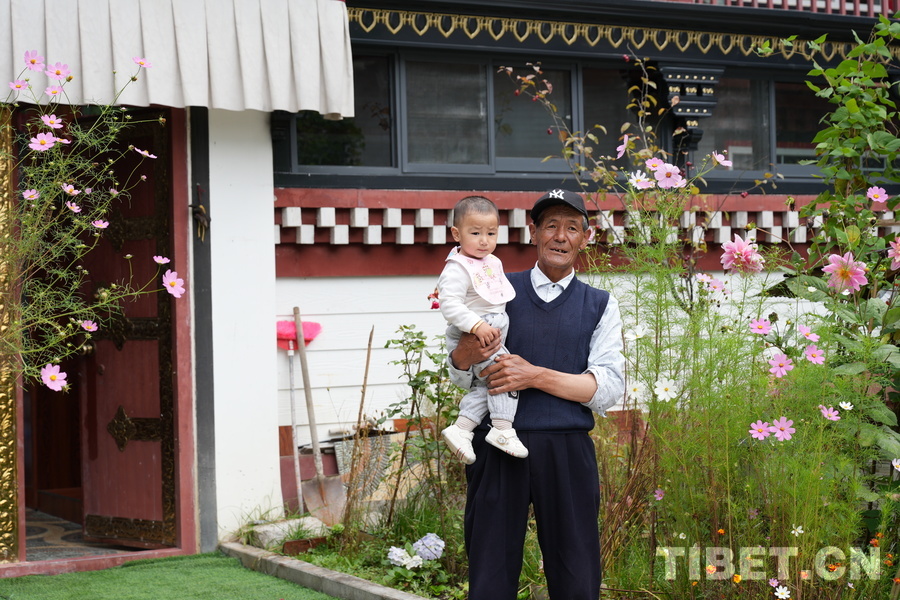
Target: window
{"points": [[446, 113], [758, 119], [798, 112], [523, 130], [432, 113], [605, 100], [364, 140]]}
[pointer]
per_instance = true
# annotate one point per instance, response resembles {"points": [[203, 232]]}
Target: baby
{"points": [[473, 292]]}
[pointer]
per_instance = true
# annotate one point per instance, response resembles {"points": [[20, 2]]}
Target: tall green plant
{"points": [[763, 417], [67, 162]]}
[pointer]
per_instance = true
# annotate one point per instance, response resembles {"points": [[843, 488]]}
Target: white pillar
{"points": [[248, 480]]}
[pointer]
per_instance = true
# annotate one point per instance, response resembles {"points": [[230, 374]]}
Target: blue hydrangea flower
{"points": [[399, 557], [429, 547]]}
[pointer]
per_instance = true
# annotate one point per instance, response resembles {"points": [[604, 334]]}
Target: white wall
{"points": [[243, 280], [348, 309]]}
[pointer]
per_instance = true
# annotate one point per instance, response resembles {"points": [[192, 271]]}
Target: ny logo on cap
{"points": [[558, 194]]}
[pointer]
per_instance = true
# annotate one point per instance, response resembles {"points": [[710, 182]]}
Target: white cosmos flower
{"points": [[846, 406], [665, 389], [636, 391], [635, 333]]}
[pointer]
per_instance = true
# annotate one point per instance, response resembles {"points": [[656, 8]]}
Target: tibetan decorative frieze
{"points": [[625, 39]]}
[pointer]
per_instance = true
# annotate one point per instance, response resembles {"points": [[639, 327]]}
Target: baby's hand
{"points": [[487, 334]]}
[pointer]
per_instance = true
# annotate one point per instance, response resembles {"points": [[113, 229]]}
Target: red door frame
{"points": [[187, 535]]}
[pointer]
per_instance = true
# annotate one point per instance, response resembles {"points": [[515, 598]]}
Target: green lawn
{"points": [[199, 577]]}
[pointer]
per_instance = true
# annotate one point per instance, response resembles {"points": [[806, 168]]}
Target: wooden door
{"points": [[126, 380]]}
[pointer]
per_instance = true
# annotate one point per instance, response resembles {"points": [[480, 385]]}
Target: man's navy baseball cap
{"points": [[554, 197]]}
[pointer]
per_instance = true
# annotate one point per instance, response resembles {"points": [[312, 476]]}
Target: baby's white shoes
{"points": [[508, 441]]}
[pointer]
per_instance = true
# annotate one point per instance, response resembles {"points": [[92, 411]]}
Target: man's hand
{"points": [[510, 373], [470, 351]]}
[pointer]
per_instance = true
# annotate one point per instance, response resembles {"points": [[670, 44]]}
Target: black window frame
{"points": [[518, 173]]}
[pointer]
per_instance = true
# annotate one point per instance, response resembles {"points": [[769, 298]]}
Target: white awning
{"points": [[228, 54]]}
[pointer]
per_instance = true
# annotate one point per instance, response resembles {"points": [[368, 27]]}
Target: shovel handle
{"points": [[310, 410]]}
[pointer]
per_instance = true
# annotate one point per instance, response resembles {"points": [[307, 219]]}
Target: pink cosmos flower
{"points": [[773, 582], [807, 333], [717, 285], [89, 325], [54, 91], [704, 277], [659, 493], [669, 176], [640, 181], [73, 207], [31, 194], [845, 272], [760, 326], [142, 62], [720, 159], [42, 141], [113, 192], [34, 61], [161, 260], [814, 355], [52, 121], [18, 84], [741, 256], [876, 194], [63, 141], [100, 224], [829, 413], [621, 149], [654, 163], [781, 364], [782, 428], [144, 153], [174, 285], [58, 71], [760, 430], [52, 377], [894, 255], [70, 189]]}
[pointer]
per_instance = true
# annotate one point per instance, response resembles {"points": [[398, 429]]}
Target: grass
{"points": [[198, 577]]}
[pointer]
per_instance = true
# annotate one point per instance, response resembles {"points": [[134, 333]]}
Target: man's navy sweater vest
{"points": [[555, 335]]}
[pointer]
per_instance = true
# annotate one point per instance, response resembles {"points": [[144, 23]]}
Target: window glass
{"points": [[797, 114], [525, 129], [365, 139], [605, 103], [446, 113], [740, 125]]}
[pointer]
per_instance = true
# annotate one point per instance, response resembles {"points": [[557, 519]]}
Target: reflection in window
{"points": [[605, 101], [740, 125], [364, 140], [446, 113], [798, 112], [521, 127]]}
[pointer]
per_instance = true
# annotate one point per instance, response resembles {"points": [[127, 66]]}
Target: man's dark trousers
{"points": [[560, 479]]}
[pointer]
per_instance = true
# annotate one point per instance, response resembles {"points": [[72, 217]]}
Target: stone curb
{"points": [[333, 583]]}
